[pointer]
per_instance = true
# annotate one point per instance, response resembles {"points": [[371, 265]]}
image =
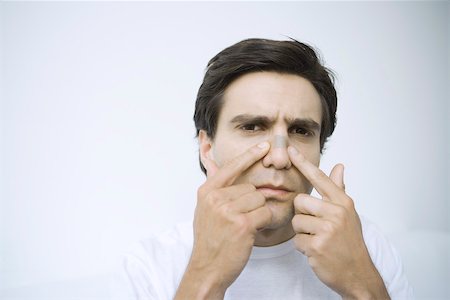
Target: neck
{"points": [[271, 237]]}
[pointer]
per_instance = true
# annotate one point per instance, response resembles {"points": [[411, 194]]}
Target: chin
{"points": [[282, 214]]}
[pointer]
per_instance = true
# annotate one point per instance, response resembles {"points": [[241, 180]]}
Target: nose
{"points": [[277, 156]]}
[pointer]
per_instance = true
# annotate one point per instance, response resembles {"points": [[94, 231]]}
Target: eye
{"points": [[250, 127], [301, 131]]}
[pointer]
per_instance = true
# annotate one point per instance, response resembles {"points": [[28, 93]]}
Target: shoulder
{"points": [[387, 261]]}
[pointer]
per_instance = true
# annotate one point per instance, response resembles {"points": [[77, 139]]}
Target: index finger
{"points": [[321, 182], [226, 175]]}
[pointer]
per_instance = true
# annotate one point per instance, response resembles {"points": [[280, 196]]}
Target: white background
{"points": [[97, 138]]}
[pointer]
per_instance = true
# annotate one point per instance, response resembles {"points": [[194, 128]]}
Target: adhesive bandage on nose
{"points": [[279, 142]]}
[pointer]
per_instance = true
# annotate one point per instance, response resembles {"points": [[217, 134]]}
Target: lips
{"points": [[273, 187], [273, 191]]}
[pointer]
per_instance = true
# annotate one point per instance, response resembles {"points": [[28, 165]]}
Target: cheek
{"points": [[311, 152], [313, 156]]}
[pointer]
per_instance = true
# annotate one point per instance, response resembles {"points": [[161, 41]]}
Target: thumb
{"points": [[337, 175], [210, 166]]}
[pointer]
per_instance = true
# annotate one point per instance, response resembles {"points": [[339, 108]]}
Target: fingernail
{"points": [[263, 145], [292, 150]]}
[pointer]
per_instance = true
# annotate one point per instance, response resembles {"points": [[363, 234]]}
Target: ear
{"points": [[205, 147]]}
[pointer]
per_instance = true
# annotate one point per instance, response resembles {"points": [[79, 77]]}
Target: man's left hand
{"points": [[328, 231]]}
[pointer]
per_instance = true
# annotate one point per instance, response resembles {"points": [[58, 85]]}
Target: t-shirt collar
{"points": [[272, 251]]}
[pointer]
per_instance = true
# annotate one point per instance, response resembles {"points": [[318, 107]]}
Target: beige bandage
{"points": [[279, 141]]}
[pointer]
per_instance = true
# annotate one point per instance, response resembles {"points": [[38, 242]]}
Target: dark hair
{"points": [[256, 55]]}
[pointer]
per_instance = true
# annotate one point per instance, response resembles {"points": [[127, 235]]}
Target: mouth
{"points": [[272, 191]]}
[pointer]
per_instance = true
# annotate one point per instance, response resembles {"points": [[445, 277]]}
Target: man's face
{"points": [[282, 109]]}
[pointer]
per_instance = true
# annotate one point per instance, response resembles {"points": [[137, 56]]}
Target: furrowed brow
{"points": [[307, 123], [247, 118], [304, 123]]}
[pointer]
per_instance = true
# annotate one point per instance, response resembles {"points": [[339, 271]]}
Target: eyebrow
{"points": [[257, 119]]}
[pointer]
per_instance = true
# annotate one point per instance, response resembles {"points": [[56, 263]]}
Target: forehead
{"points": [[271, 94]]}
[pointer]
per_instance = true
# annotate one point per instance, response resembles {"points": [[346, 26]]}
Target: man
{"points": [[263, 114]]}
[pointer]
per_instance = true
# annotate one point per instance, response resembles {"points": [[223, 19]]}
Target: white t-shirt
{"points": [[154, 267]]}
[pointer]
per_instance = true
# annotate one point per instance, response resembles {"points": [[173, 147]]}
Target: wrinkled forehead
{"points": [[270, 94]]}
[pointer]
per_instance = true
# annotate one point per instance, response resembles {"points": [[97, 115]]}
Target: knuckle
{"points": [[250, 187], [298, 219], [299, 200], [234, 162], [296, 222], [317, 247], [201, 192], [328, 227], [253, 151], [246, 157], [243, 223], [318, 175], [259, 199], [213, 197], [313, 262], [349, 203], [298, 243], [340, 212], [230, 160], [225, 209]]}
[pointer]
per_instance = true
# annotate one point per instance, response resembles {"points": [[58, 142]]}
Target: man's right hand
{"points": [[227, 218]]}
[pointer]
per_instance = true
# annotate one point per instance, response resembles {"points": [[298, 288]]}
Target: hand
{"points": [[227, 218], [328, 231]]}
